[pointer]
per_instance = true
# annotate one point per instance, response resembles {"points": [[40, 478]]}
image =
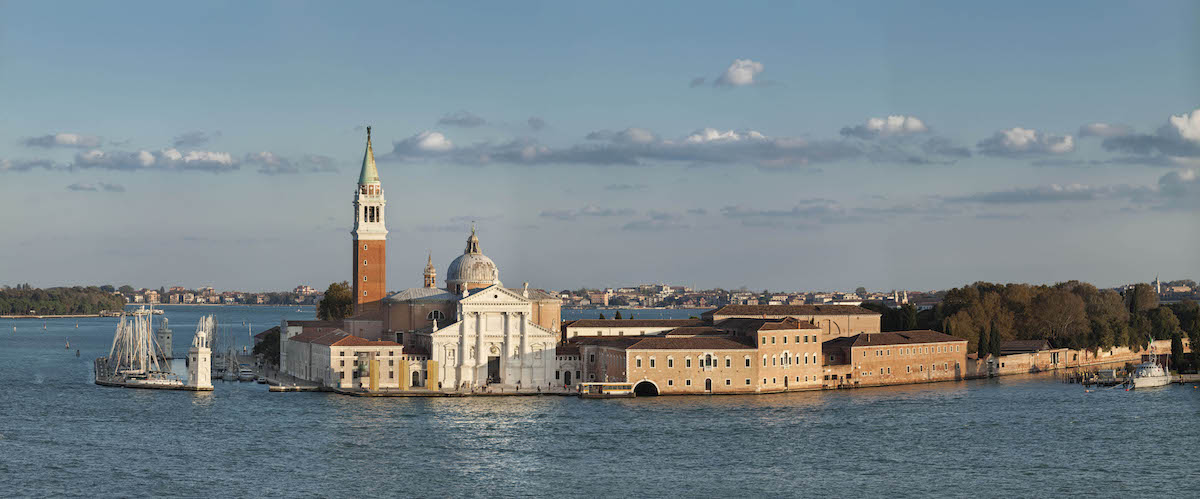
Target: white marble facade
{"points": [[494, 340]]}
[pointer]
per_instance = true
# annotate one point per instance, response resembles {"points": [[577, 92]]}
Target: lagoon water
{"points": [[1016, 436]]}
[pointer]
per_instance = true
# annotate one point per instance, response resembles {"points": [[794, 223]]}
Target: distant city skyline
{"points": [[773, 146]]}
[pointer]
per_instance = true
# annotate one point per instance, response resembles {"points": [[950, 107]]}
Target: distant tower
{"points": [[370, 237], [430, 272], [1157, 286], [163, 337]]}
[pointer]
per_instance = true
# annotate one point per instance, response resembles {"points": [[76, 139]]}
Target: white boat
{"points": [[1149, 374], [245, 374]]}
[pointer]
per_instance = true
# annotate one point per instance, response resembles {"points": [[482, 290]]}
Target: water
{"points": [[1016, 436]]}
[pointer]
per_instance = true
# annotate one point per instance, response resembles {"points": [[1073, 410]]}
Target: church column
{"points": [[461, 361], [506, 350], [480, 356], [526, 360]]}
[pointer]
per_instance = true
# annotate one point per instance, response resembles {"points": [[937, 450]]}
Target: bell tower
{"points": [[370, 237], [430, 272]]}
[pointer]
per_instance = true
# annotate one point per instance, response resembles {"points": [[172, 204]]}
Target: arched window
{"points": [[436, 315]]}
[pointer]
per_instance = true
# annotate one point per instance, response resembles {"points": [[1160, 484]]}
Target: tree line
{"points": [[25, 299], [1070, 314]]}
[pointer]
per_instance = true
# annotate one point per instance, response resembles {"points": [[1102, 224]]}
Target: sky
{"points": [[780, 145]]}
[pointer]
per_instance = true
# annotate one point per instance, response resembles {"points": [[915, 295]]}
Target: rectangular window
{"points": [[772, 340], [557, 374], [688, 382], [343, 363], [670, 362], [728, 362], [687, 362], [764, 340], [592, 357], [785, 340], [747, 361], [341, 375], [747, 381], [727, 382], [651, 361], [391, 375], [639, 362], [670, 382]]}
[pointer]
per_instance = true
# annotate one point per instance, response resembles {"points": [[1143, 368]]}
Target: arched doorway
{"points": [[567, 378], [708, 384], [645, 389], [416, 378]]}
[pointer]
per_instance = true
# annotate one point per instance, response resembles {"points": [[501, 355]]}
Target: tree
{"points": [[1177, 350], [909, 315], [269, 347], [1163, 323], [338, 302], [860, 291], [124, 289], [107, 288], [601, 315], [618, 315], [984, 344], [1141, 298], [994, 339]]}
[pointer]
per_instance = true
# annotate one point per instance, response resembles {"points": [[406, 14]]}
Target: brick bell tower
{"points": [[370, 237]]}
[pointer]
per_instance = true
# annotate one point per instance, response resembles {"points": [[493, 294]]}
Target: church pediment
{"points": [[494, 295]]}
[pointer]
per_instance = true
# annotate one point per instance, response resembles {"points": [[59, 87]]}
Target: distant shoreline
{"points": [[68, 316], [212, 305]]}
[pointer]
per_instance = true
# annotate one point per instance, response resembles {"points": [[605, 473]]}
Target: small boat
{"points": [[43, 326], [76, 324], [76, 353], [260, 380], [68, 343], [245, 374]]}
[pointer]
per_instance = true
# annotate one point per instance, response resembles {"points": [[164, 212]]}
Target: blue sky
{"points": [[711, 144]]}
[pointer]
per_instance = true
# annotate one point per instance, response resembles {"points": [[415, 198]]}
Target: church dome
{"points": [[472, 269]]}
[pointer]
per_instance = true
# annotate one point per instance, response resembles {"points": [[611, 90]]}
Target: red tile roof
{"points": [[690, 343], [893, 338]]}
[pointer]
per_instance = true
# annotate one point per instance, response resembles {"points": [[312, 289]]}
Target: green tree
{"points": [[1163, 323], [909, 315], [994, 340], [618, 315], [338, 302], [1177, 350], [1141, 298], [124, 289], [107, 288], [601, 315], [269, 347], [860, 291], [984, 344]]}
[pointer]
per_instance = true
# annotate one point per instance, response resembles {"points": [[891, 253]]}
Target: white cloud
{"points": [[1187, 125], [166, 159], [422, 144], [741, 73], [1172, 144], [1017, 142], [885, 127], [706, 135], [63, 140]]}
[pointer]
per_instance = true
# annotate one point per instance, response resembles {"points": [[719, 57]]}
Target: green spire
{"points": [[369, 172]]}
